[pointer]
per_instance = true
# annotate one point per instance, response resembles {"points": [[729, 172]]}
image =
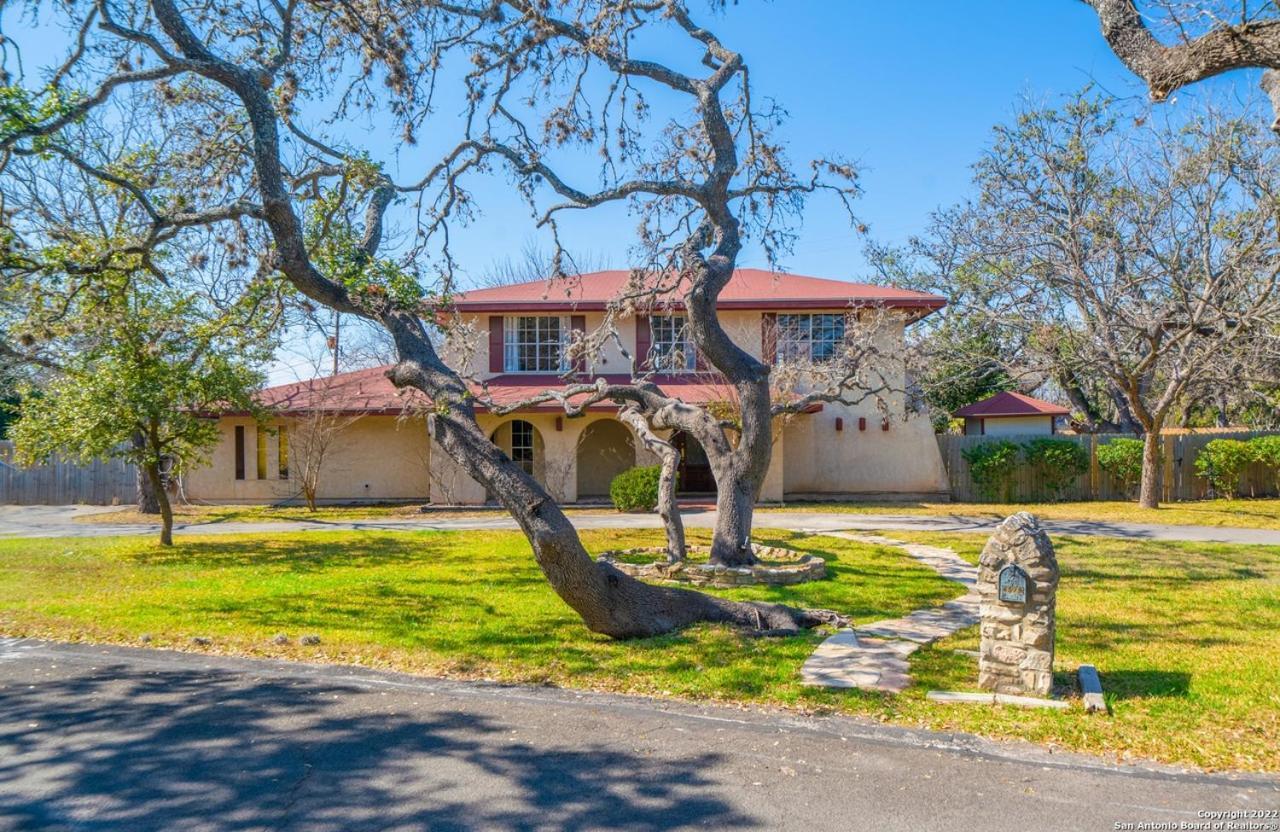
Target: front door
{"points": [[695, 469]]}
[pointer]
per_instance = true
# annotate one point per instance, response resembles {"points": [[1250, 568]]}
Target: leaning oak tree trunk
{"points": [[668, 509], [608, 601], [740, 474]]}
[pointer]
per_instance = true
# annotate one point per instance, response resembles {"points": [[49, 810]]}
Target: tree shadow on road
{"points": [[119, 748]]}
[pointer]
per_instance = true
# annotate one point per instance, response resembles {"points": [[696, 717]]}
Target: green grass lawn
{"points": [[1252, 514], [456, 603], [1185, 636], [261, 513]]}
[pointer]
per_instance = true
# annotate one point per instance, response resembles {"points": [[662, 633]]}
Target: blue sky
{"points": [[910, 95], [909, 91]]}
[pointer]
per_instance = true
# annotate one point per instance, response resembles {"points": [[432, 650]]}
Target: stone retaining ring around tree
{"points": [[785, 566]]}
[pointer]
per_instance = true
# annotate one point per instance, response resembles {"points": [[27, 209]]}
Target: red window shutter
{"points": [[496, 364], [644, 338], [578, 323], [769, 337]]}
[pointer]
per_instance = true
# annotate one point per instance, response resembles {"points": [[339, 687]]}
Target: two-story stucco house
{"points": [[518, 335]]}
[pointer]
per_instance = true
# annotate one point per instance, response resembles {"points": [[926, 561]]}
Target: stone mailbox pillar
{"points": [[1017, 586]]}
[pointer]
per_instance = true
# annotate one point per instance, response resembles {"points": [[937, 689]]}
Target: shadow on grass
{"points": [[119, 748], [481, 556], [1141, 684]]}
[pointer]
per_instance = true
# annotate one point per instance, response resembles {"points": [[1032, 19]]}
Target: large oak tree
{"points": [[247, 105], [1138, 260]]}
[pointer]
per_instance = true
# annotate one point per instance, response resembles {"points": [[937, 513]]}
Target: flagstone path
{"points": [[875, 656]]}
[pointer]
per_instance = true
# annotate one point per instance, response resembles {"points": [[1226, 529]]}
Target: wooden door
{"points": [[695, 468]]}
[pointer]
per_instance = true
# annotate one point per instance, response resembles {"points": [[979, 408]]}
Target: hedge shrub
{"points": [[1122, 459], [993, 466], [1057, 462], [1266, 450], [1221, 462], [636, 489]]}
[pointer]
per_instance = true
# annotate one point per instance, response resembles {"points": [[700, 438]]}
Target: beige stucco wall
{"points": [[374, 458], [903, 460], [383, 458], [564, 450], [558, 471], [865, 457], [1018, 425]]}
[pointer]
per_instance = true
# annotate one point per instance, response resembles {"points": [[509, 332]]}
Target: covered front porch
{"points": [[576, 459]]}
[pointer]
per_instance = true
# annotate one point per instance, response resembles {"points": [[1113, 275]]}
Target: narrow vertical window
{"points": [[522, 450], [262, 453], [282, 452], [239, 452]]}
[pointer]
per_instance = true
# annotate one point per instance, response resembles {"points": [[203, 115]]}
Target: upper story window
{"points": [[672, 349], [810, 337], [535, 344]]}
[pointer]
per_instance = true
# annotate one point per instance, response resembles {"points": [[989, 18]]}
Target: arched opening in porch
{"points": [[522, 442], [605, 449]]}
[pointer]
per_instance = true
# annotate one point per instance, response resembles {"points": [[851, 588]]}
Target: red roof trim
{"points": [[1011, 404], [747, 289], [931, 304], [370, 393]]}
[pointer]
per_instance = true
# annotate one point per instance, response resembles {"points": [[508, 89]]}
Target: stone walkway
{"points": [[875, 656]]}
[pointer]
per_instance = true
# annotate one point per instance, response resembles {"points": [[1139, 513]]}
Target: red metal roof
{"points": [[1011, 404], [370, 392], [360, 391], [747, 289]]}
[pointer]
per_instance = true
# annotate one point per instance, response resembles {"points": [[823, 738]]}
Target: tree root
{"points": [[640, 610], [766, 618]]}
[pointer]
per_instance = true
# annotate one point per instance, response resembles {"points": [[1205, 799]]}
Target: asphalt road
{"points": [[95, 738], [60, 521]]}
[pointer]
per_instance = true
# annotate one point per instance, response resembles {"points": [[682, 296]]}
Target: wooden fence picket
{"points": [[61, 482]]}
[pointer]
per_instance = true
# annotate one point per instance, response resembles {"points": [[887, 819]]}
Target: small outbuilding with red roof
{"points": [[1009, 413]]}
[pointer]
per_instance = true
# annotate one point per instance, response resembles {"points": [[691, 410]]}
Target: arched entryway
{"points": [[522, 442], [695, 468], [605, 450]]}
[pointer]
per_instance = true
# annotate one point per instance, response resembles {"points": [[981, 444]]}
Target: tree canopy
{"points": [[150, 365], [1137, 264]]}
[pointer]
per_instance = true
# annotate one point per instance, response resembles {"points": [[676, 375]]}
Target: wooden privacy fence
{"points": [[101, 482], [1179, 460]]}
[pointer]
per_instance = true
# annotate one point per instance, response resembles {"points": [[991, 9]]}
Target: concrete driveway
{"points": [[99, 738], [60, 521]]}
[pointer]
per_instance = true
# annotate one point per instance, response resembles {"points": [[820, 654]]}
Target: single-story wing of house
{"points": [[513, 340]]}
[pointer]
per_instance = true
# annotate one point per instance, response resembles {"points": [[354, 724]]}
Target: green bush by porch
{"points": [[636, 489]]}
